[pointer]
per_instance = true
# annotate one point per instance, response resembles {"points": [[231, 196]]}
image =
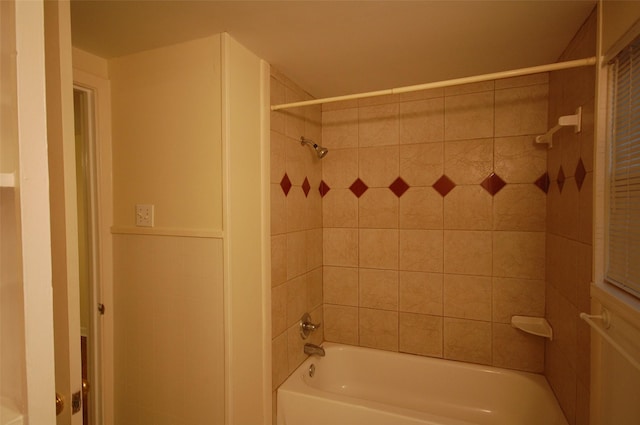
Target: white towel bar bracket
{"points": [[605, 318], [564, 121]]}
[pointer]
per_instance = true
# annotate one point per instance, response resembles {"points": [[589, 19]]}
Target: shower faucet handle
{"points": [[306, 326]]}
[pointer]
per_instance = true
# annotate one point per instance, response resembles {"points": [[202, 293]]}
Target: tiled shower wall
{"points": [[296, 227], [434, 209], [569, 230]]}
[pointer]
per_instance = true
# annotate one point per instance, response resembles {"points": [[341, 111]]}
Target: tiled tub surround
{"points": [[433, 211], [296, 227], [569, 231]]}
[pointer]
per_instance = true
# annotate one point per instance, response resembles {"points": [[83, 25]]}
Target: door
{"points": [[63, 210]]}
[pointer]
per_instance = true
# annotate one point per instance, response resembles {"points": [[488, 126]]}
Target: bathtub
{"points": [[355, 385]]}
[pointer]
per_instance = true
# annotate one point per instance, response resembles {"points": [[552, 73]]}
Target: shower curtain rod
{"points": [[446, 83]]}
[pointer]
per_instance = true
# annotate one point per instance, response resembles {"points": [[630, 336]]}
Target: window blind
{"points": [[624, 203]]}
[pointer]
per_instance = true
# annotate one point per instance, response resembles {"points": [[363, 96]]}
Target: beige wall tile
{"points": [[378, 208], [421, 292], [421, 208], [296, 299], [340, 247], [468, 116], [278, 210], [585, 210], [520, 207], [518, 159], [468, 161], [314, 289], [517, 297], [422, 165], [342, 169], [279, 309], [294, 117], [569, 226], [514, 349], [468, 207], [378, 166], [483, 86], [340, 128], [343, 104], [569, 145], [277, 98], [422, 121], [562, 263], [519, 254], [421, 95], [295, 347], [278, 259], [420, 334], [278, 156], [378, 100], [314, 249], [279, 360], [421, 250], [340, 209], [378, 289], [378, 248], [526, 80], [296, 205], [341, 324], [340, 285], [378, 329], [521, 110], [467, 340], [378, 125], [296, 254], [467, 252], [467, 297]]}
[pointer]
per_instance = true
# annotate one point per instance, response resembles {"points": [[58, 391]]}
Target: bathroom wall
{"points": [[434, 221], [296, 227], [569, 230], [168, 279]]}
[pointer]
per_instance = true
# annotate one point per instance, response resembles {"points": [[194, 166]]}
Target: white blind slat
{"points": [[624, 204]]}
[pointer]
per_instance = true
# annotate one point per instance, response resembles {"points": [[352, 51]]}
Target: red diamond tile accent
{"points": [[560, 179], [399, 187], [580, 174], [543, 182], [285, 184], [493, 184], [444, 185], [323, 188], [358, 187], [306, 187]]}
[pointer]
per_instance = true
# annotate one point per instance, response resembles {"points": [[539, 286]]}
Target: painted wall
{"points": [[569, 230], [434, 224], [296, 227], [167, 134], [168, 280]]}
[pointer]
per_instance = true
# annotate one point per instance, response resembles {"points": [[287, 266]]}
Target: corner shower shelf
{"points": [[7, 180], [533, 325]]}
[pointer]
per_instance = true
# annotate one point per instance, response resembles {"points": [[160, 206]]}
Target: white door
{"points": [[63, 209]]}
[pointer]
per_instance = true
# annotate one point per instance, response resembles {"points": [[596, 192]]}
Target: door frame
{"points": [[101, 213]]}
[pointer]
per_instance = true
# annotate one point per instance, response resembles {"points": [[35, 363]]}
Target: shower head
{"points": [[320, 151]]}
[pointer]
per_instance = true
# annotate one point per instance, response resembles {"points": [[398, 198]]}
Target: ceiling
{"points": [[333, 48]]}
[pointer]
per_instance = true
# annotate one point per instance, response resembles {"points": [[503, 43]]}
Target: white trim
{"points": [[265, 214], [446, 83], [34, 212], [167, 231], [99, 91], [226, 212]]}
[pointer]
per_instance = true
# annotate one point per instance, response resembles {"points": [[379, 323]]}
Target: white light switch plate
{"points": [[144, 215]]}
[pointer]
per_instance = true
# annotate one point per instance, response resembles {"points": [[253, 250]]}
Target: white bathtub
{"points": [[354, 385]]}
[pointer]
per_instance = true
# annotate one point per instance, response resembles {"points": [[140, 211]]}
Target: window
{"points": [[623, 267]]}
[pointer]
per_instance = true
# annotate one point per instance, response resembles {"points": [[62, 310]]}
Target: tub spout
{"points": [[313, 350]]}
